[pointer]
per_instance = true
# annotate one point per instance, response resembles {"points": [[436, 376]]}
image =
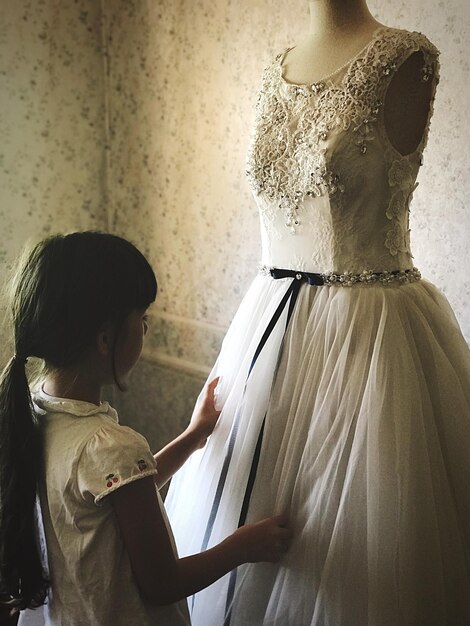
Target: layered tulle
{"points": [[366, 447]]}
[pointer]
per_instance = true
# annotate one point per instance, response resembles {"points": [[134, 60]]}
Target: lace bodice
{"points": [[332, 191]]}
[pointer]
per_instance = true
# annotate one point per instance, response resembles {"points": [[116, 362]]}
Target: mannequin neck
{"points": [[338, 30], [327, 16]]}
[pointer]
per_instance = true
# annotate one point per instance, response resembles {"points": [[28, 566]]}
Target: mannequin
{"points": [[338, 30]]}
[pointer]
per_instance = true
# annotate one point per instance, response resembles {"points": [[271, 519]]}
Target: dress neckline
{"points": [[375, 35]]}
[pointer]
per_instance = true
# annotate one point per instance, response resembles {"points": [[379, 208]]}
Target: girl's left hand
{"points": [[206, 415]]}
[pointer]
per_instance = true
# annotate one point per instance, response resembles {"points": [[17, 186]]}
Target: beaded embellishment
{"points": [[297, 128], [366, 277]]}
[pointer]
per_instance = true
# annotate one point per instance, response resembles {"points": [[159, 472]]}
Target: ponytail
{"points": [[22, 581], [65, 289]]}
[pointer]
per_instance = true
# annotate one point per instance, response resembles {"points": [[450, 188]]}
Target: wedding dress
{"points": [[344, 377]]}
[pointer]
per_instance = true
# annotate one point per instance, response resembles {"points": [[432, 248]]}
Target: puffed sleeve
{"points": [[114, 456]]}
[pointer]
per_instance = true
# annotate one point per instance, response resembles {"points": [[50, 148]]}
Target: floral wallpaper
{"points": [[52, 158]]}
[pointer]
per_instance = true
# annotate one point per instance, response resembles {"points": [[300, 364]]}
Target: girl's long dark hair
{"points": [[66, 289]]}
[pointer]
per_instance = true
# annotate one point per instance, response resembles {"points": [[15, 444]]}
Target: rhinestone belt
{"points": [[347, 279]]}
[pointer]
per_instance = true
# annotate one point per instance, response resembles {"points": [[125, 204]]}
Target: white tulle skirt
{"points": [[366, 447]]}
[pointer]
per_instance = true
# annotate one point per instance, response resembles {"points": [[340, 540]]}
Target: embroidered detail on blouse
{"points": [[112, 479]]}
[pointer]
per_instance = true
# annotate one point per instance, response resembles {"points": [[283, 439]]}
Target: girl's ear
{"points": [[104, 340]]}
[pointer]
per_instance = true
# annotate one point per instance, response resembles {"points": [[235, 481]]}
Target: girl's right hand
{"points": [[266, 540]]}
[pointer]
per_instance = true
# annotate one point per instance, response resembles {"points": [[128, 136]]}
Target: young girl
{"points": [[79, 303]]}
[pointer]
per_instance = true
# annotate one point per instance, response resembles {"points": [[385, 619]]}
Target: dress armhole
{"points": [[408, 104]]}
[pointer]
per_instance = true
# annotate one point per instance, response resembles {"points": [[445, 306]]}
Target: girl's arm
{"points": [[163, 578], [173, 455]]}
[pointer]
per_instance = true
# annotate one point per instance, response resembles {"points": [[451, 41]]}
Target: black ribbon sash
{"points": [[289, 298]]}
